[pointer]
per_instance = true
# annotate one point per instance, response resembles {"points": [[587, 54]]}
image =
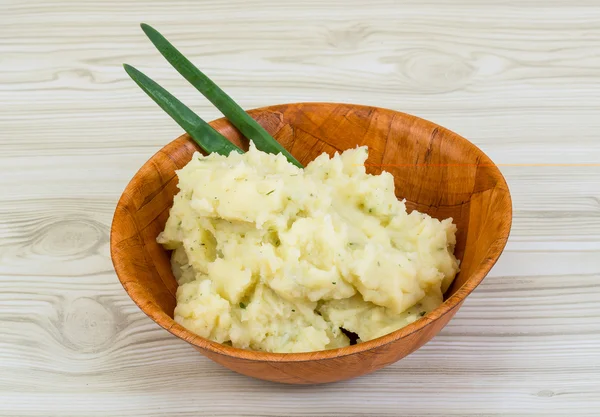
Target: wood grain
{"points": [[74, 129]]}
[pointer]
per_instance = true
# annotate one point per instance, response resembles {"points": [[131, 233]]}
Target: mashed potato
{"points": [[276, 258]]}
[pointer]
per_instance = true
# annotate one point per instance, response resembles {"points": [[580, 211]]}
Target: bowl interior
{"points": [[435, 170]]}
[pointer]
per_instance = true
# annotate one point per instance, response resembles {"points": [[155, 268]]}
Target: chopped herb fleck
{"points": [[378, 263], [334, 283], [422, 313], [270, 192], [370, 210], [293, 311], [277, 242], [242, 305]]}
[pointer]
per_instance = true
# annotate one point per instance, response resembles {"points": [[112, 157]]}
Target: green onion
{"points": [[230, 109], [203, 134]]}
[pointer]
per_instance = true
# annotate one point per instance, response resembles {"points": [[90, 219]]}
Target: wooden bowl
{"points": [[435, 170]]}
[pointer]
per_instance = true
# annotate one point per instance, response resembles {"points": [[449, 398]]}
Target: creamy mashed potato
{"points": [[277, 258]]}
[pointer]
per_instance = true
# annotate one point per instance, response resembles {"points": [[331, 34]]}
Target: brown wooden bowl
{"points": [[435, 170]]}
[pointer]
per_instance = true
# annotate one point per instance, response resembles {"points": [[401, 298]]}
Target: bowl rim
{"points": [[447, 307]]}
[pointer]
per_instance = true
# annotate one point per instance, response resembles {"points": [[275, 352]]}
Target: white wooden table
{"points": [[521, 79]]}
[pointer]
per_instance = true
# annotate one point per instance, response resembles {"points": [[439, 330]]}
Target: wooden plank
{"points": [[521, 79]]}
